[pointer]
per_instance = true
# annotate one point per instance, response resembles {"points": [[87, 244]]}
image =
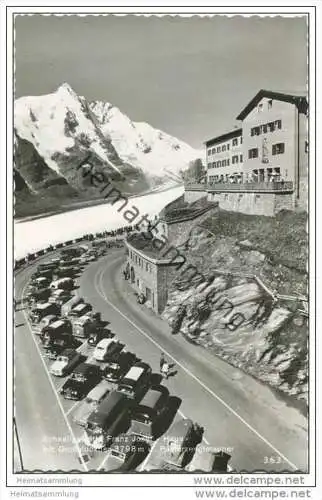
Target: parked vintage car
{"points": [[107, 421], [125, 453], [91, 402], [65, 272], [59, 297], [71, 252], [107, 348], [34, 297], [136, 381], [207, 460], [57, 346], [81, 381], [80, 310], [66, 362], [39, 283], [96, 336], [180, 442], [42, 310], [70, 304], [56, 338], [84, 326], [118, 365], [64, 283], [44, 322], [146, 416], [44, 273], [50, 264]]}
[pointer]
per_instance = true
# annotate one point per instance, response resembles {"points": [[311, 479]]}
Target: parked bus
{"points": [[80, 310], [111, 417], [83, 326], [64, 283], [68, 306]]}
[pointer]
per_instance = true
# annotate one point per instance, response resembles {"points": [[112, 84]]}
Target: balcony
{"points": [[195, 186], [252, 187]]}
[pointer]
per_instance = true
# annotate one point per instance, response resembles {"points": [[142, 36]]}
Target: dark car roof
{"points": [[69, 352], [115, 358], [85, 367], [108, 404], [179, 429], [152, 397], [176, 440]]}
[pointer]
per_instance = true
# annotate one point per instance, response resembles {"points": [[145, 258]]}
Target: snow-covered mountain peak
{"points": [[60, 128], [64, 129], [140, 144]]}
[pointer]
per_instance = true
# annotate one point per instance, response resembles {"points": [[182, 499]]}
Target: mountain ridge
{"points": [[55, 133]]}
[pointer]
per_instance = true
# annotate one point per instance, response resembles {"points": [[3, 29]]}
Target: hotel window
{"points": [[146, 266], [218, 163], [278, 124], [241, 158], [218, 149], [271, 127], [209, 165], [260, 107], [228, 162], [255, 131], [235, 142], [306, 146], [223, 148], [253, 153], [228, 147], [223, 163], [213, 150], [278, 149], [270, 103], [235, 159], [241, 140], [264, 129], [209, 151]]}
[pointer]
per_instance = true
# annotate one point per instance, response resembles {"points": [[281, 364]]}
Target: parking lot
{"points": [[60, 440]]}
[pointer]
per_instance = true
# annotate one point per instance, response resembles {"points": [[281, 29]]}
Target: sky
{"points": [[189, 77]]}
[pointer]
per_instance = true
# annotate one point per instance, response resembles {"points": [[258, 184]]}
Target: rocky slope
{"points": [[231, 314]]}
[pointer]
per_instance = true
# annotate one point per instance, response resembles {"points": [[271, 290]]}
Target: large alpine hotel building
{"points": [[267, 154]]}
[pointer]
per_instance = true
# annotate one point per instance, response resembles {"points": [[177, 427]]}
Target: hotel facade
{"points": [[261, 167]]}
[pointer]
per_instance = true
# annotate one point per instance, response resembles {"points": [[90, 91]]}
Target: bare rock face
{"points": [[230, 314]]}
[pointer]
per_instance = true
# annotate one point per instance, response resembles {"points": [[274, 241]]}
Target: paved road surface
{"points": [[236, 411]]}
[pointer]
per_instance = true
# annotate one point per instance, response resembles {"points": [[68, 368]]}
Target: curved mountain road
{"points": [[261, 431]]}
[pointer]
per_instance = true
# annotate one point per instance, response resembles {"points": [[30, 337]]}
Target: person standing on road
{"points": [[165, 370], [162, 361]]}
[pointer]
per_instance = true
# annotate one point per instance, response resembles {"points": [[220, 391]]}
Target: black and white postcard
{"points": [[159, 284]]}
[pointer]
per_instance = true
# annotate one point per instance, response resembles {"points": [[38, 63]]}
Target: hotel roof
{"points": [[299, 101], [236, 132]]}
